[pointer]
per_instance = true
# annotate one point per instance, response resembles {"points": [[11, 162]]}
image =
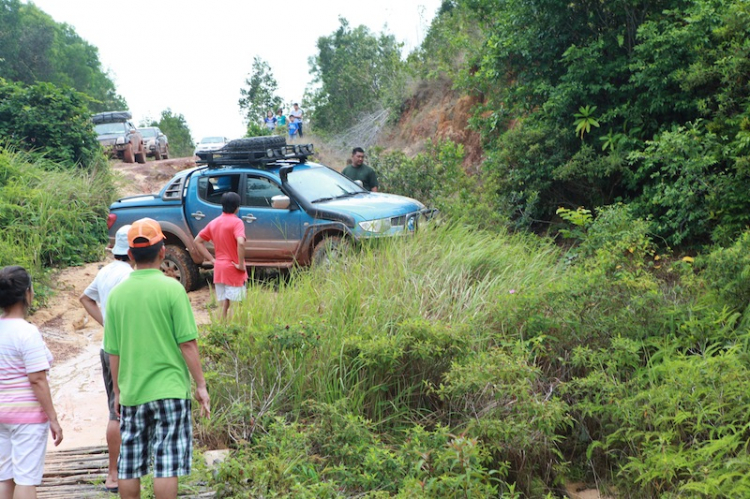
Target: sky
{"points": [[193, 56]]}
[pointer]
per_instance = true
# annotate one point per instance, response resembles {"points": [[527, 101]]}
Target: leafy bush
{"points": [[438, 179], [685, 428], [468, 363], [727, 272], [49, 120]]}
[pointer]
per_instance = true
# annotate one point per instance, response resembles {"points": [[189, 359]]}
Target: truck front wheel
{"points": [[330, 249], [178, 264]]}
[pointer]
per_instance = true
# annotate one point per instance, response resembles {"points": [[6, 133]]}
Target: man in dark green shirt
{"points": [[358, 170]]}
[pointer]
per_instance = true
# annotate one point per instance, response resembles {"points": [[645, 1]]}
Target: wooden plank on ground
{"points": [[80, 474]]}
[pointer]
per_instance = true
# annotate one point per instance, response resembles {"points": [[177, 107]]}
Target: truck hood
{"points": [[372, 205], [109, 136]]}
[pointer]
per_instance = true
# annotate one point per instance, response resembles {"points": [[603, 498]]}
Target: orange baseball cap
{"points": [[145, 228]]}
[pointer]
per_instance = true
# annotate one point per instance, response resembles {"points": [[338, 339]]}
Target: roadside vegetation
{"points": [[578, 312], [473, 363], [476, 360], [52, 217]]}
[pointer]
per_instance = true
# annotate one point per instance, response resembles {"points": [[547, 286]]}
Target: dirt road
{"points": [[75, 339]]}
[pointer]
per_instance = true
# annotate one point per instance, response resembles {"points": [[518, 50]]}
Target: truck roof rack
{"points": [[111, 117], [255, 157]]}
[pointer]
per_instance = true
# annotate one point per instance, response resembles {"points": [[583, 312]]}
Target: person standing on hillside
{"points": [[228, 234], [270, 120], [26, 409], [150, 336], [280, 118], [293, 127], [359, 171], [94, 300], [297, 115]]}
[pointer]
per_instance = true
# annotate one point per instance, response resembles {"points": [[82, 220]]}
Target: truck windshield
{"points": [[106, 128], [322, 184], [148, 132]]}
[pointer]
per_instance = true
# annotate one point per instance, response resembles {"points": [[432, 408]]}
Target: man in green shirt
{"points": [[358, 170], [150, 335]]}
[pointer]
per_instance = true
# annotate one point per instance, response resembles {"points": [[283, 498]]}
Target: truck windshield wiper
{"points": [[348, 194], [320, 200]]}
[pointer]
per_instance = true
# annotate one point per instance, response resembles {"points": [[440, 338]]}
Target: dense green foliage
{"points": [[49, 120], [463, 363], [591, 103], [177, 131], [354, 72], [436, 177], [34, 48], [51, 217]]}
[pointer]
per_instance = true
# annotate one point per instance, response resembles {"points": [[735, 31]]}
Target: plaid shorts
{"points": [[161, 430]]}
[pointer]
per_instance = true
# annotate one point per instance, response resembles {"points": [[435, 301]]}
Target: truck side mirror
{"points": [[280, 202]]}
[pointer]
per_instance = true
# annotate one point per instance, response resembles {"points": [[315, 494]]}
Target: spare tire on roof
{"points": [[254, 144]]}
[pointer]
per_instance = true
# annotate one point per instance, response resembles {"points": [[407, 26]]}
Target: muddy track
{"points": [[75, 339]]}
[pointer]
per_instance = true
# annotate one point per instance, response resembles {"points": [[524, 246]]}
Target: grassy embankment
{"points": [[462, 363], [51, 215]]}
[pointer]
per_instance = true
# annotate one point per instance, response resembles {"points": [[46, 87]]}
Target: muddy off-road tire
{"points": [[127, 154], [255, 143], [157, 155], [178, 264], [330, 249], [166, 153], [141, 156]]}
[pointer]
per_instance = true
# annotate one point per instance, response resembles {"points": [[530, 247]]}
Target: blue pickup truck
{"points": [[296, 212]]}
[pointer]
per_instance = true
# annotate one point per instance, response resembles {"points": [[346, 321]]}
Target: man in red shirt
{"points": [[228, 235]]}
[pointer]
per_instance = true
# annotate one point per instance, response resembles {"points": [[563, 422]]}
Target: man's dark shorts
{"points": [[108, 384]]}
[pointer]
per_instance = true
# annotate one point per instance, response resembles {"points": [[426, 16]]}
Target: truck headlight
{"points": [[120, 140], [378, 226]]}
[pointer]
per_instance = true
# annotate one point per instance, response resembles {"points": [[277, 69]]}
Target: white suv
{"points": [[207, 144]]}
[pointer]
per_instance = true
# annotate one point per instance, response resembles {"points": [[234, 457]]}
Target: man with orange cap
{"points": [[150, 336]]}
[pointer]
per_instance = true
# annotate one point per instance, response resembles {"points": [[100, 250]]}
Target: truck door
{"points": [[273, 234], [203, 203]]}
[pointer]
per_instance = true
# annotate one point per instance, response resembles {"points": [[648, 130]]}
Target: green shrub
{"points": [[48, 120], [727, 272], [438, 179], [683, 428]]}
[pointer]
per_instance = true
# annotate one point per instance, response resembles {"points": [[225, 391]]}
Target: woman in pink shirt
{"points": [[26, 410]]}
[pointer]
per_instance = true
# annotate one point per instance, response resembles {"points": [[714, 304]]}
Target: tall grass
{"points": [[374, 335], [463, 363], [51, 216]]}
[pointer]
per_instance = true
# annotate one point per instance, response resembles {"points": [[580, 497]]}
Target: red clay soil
{"points": [[437, 112]]}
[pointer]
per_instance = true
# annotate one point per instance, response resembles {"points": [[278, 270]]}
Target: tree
{"points": [[34, 48], [260, 95], [355, 71], [46, 119], [177, 131]]}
